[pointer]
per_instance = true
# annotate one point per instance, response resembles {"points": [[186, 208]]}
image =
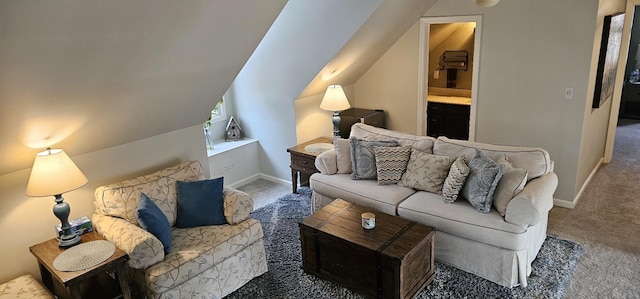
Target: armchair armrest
{"points": [[143, 248], [327, 162], [534, 202], [237, 205]]}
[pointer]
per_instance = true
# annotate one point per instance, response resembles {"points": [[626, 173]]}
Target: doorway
{"points": [[449, 68]]}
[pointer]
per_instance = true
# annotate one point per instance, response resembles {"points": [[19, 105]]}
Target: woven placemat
{"points": [[84, 256]]}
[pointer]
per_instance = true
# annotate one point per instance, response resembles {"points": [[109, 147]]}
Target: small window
{"points": [[219, 112]]}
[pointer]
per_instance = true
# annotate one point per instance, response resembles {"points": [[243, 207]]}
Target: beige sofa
{"points": [[495, 247], [203, 261]]}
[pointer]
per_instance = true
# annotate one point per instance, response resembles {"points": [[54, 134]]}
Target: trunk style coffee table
{"points": [[392, 260]]}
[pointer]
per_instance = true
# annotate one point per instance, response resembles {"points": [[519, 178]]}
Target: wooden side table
{"points": [[303, 161], [106, 280]]}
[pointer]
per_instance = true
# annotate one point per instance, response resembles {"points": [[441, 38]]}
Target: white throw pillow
{"points": [[343, 153], [512, 182]]}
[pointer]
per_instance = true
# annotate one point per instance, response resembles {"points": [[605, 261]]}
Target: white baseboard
{"points": [[256, 177], [572, 204]]}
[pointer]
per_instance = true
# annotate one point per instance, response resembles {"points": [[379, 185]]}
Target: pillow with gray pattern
{"points": [[363, 159], [484, 175]]}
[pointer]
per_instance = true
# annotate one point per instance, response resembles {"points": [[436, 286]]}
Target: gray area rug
{"points": [[552, 269]]}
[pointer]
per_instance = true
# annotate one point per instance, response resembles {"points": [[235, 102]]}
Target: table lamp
{"points": [[335, 100], [54, 173]]}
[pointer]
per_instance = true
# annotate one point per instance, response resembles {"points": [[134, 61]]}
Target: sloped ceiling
{"points": [[385, 26], [88, 75]]}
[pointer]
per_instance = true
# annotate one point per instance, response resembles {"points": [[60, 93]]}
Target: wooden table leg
{"points": [[75, 291], [294, 180], [47, 278], [124, 285]]}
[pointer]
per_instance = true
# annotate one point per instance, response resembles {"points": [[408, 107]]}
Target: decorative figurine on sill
{"points": [[234, 132]]}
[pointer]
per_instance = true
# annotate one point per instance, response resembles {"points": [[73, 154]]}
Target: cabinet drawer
{"points": [[303, 163]]}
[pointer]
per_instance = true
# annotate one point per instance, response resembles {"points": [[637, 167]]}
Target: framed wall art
{"points": [[608, 58]]}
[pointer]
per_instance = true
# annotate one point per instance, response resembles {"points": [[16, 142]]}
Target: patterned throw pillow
{"points": [[512, 183], [455, 180], [363, 159], [391, 163], [425, 172], [484, 175]]}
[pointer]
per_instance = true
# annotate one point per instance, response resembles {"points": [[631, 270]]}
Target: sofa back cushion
{"points": [[535, 161], [121, 199], [371, 133]]}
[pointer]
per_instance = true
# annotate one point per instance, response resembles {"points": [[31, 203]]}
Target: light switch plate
{"points": [[568, 93]]}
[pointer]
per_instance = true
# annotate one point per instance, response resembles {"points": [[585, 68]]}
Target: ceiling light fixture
{"points": [[486, 3]]}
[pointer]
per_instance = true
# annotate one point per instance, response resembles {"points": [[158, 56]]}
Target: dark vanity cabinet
{"points": [[630, 103], [449, 120]]}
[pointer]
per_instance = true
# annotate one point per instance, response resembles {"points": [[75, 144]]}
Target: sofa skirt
{"points": [[509, 268]]}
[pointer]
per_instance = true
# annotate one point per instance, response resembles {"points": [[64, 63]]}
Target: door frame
{"points": [[619, 82], [423, 74]]}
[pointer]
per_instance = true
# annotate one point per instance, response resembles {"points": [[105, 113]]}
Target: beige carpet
{"points": [[606, 222]]}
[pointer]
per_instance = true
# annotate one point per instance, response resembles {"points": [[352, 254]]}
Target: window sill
{"points": [[221, 146]]}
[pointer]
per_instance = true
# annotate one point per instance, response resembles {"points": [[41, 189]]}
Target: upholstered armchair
{"points": [[208, 261]]}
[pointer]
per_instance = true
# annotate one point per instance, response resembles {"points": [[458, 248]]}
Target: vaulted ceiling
{"points": [[88, 75]]}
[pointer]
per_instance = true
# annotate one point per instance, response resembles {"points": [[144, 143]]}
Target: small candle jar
{"points": [[368, 220]]}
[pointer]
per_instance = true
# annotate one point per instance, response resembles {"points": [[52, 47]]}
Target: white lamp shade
{"points": [[54, 173], [486, 3], [334, 99]]}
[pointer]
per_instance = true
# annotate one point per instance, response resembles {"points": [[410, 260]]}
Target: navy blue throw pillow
{"points": [[200, 203], [154, 221]]}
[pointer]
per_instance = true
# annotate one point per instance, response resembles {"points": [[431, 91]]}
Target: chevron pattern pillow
{"points": [[455, 179], [391, 163]]}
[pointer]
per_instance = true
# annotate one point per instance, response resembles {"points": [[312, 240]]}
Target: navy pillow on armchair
{"points": [[200, 203], [154, 221]]}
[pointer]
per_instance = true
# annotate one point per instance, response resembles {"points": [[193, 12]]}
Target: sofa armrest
{"points": [[534, 202], [327, 162], [237, 205], [143, 248]]}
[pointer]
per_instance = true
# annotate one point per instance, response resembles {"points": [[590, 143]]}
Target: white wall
{"points": [[238, 165], [300, 42], [596, 121], [29, 221], [391, 84]]}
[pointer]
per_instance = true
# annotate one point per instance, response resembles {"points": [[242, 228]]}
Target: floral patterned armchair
{"points": [[203, 261]]}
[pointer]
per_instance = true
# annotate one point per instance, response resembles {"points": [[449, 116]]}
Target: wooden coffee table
{"points": [[393, 260]]}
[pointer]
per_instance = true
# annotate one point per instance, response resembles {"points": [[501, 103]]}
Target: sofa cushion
{"points": [[363, 160], [200, 203], [426, 172], [461, 219], [121, 199], [343, 154], [362, 192], [154, 221], [455, 179], [535, 161], [367, 132], [484, 175], [391, 163], [197, 249], [511, 183]]}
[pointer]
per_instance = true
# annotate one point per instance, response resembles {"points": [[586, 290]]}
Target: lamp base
{"points": [[336, 124], [61, 209], [68, 241]]}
